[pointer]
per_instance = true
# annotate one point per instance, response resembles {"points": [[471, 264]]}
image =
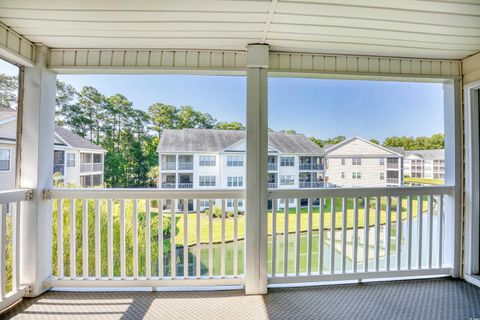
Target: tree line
{"points": [[131, 135]]}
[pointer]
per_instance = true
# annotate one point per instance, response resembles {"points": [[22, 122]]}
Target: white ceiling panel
{"points": [[447, 29]]}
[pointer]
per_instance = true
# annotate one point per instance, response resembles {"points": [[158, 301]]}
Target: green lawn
{"points": [[424, 181]]}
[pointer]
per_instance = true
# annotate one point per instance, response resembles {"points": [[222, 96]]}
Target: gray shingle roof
{"points": [[211, 140], [6, 113], [400, 150], [74, 140], [427, 154]]}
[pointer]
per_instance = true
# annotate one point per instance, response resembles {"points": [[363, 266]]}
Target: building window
{"points": [[287, 161], [382, 176], [231, 203], [207, 181], [234, 181], [382, 161], [70, 160], [356, 161], [287, 180], [356, 175], [206, 203], [234, 161], [343, 161], [343, 175], [97, 179], [4, 159], [207, 161]]}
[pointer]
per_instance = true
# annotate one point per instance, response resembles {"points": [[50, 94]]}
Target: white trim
{"points": [[473, 279], [12, 298], [472, 180]]}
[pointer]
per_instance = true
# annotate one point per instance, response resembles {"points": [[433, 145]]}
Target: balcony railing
{"points": [[10, 288], [185, 166], [169, 185], [272, 167], [392, 180], [392, 165], [185, 185], [339, 247], [311, 184], [311, 166], [169, 165], [272, 185], [90, 167], [180, 255]]}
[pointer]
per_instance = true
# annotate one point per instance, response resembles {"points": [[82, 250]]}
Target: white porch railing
{"points": [[125, 237], [10, 288], [404, 234]]}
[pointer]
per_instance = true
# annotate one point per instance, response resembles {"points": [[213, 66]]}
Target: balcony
{"points": [[272, 185], [311, 166], [90, 167], [184, 166], [392, 180], [393, 165], [272, 167], [187, 185], [170, 165], [168, 185], [311, 184]]}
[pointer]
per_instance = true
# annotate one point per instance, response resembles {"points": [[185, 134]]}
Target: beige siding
{"points": [[7, 178], [8, 130], [359, 147], [370, 170]]}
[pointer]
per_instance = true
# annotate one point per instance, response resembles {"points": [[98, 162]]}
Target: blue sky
{"points": [[316, 107]]}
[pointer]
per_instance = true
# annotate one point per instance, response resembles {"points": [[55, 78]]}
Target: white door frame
{"points": [[472, 187]]}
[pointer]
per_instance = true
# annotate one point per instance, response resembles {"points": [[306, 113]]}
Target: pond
{"points": [[230, 249]]}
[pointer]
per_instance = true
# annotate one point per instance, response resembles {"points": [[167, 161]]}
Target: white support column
{"points": [[36, 172], [257, 192], [453, 169]]}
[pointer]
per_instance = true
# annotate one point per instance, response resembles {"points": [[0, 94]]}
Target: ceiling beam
{"points": [[15, 48], [268, 22]]}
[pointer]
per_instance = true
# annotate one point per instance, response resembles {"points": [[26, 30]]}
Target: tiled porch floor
{"points": [[414, 299]]}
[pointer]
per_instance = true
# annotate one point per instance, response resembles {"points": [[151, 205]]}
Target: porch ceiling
{"points": [[409, 28]]}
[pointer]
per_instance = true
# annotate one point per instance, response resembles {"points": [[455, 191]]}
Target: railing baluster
{"points": [[85, 238], [235, 237], [148, 226], [321, 225], [59, 238], [185, 238], [98, 270], [378, 207], [210, 238], [110, 238], [160, 238], [344, 234], [430, 230], [222, 249], [355, 235], [122, 240], [135, 237], [16, 248], [274, 235], [3, 249], [366, 231], [173, 233], [297, 237], [387, 232], [285, 238], [73, 244], [440, 231], [409, 218], [333, 214], [420, 229], [197, 246], [309, 237], [398, 242]]}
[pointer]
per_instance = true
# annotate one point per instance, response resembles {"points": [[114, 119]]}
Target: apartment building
{"points": [[356, 162], [76, 160], [206, 159], [425, 164]]}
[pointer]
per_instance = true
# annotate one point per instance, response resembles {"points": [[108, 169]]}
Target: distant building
{"points": [[425, 164], [78, 161], [356, 162], [209, 159]]}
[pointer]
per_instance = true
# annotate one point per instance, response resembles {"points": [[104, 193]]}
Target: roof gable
{"points": [[358, 146]]}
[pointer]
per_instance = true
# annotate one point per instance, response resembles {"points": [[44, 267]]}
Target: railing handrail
{"points": [[361, 192], [141, 193], [15, 195]]}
